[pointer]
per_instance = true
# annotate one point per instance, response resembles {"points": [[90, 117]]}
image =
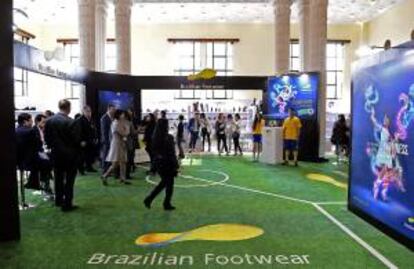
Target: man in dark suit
{"points": [[62, 138], [27, 148], [42, 170], [106, 122], [88, 140]]}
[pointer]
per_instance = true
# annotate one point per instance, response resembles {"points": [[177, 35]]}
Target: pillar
{"points": [[282, 35], [87, 33], [101, 7], [318, 20], [86, 25], [304, 31], [9, 210], [123, 35]]}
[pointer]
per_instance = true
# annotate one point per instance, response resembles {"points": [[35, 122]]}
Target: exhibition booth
{"points": [[381, 172], [381, 151]]}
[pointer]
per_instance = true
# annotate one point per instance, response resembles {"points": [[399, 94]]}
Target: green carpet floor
{"points": [[111, 218]]}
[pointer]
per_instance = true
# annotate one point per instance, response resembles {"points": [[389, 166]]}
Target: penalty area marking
{"points": [[317, 205]]}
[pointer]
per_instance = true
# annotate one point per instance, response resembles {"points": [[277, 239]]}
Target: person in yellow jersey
{"points": [[291, 133], [258, 125]]}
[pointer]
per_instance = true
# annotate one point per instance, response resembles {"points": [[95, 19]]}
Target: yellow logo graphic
{"points": [[216, 232], [207, 73], [326, 179]]}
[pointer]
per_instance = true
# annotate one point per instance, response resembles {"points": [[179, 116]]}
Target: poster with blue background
{"points": [[382, 164], [297, 91], [121, 100]]}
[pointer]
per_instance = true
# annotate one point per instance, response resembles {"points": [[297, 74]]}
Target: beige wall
{"points": [[396, 24], [254, 54]]}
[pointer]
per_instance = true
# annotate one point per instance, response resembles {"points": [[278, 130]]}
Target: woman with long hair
{"points": [[117, 154], [221, 134], [166, 164], [340, 137], [236, 134], [258, 125]]}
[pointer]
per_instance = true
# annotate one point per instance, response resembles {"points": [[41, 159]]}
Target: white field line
{"points": [[317, 205], [356, 238], [257, 191]]}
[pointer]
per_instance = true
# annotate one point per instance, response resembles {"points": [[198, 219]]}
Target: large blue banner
{"points": [[382, 166], [297, 91]]}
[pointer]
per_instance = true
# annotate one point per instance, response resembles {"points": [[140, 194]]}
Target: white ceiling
{"points": [[201, 11]]}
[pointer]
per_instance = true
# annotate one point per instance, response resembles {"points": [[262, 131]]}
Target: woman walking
{"points": [[117, 155], [236, 134], [166, 164], [221, 134]]}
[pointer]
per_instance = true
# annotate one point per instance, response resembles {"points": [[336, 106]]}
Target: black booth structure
{"points": [[101, 84], [129, 90]]}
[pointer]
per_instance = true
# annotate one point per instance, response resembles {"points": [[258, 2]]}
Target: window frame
{"points": [[338, 86], [210, 56]]}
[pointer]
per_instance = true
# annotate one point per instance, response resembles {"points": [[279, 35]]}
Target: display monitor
{"points": [[297, 91], [120, 99], [382, 163]]}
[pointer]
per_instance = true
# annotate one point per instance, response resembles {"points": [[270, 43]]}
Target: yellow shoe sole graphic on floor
{"points": [[216, 232], [326, 179], [207, 73]]}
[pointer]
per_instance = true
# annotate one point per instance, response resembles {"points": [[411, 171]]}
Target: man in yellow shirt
{"points": [[291, 133]]}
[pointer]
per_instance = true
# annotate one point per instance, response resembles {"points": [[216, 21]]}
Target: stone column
{"points": [[87, 40], [101, 7], [282, 35], [317, 60], [304, 31], [87, 33], [123, 35]]}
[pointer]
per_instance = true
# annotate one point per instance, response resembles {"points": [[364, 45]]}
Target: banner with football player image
{"points": [[298, 91], [382, 163]]}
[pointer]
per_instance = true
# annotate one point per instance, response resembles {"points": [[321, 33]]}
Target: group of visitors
{"points": [[58, 146], [227, 131]]}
